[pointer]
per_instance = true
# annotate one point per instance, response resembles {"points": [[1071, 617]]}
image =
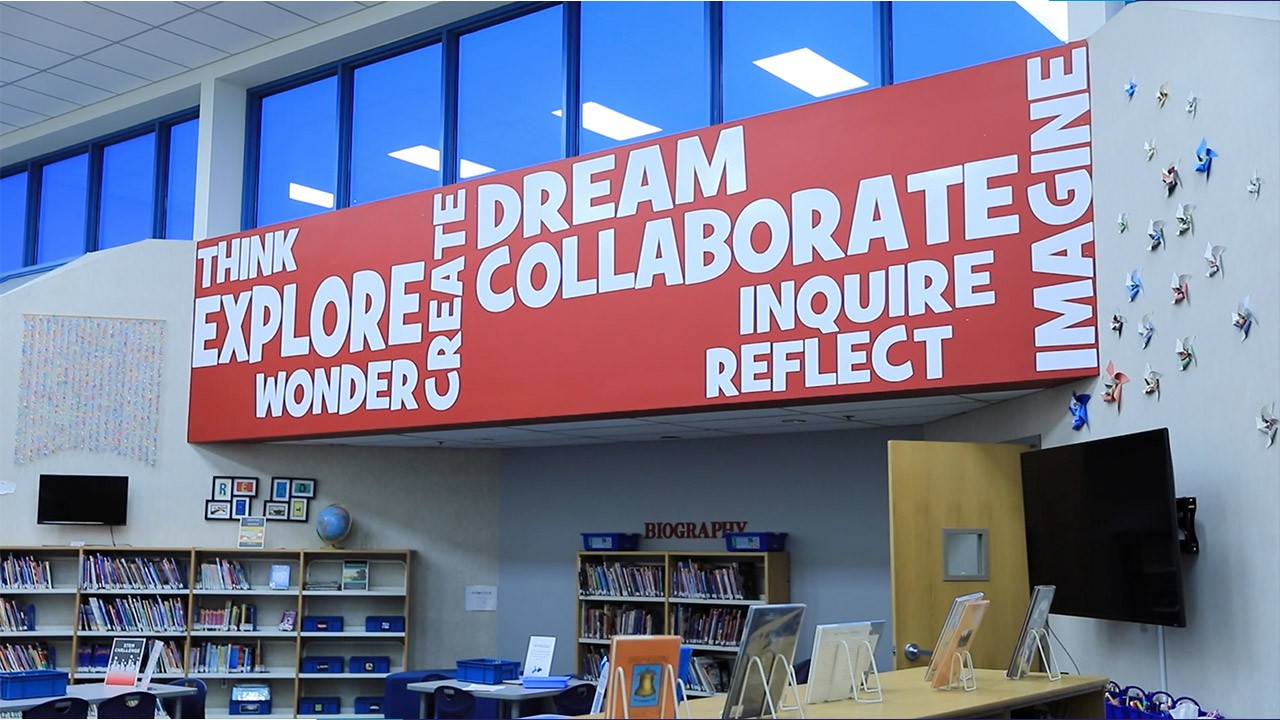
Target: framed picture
{"points": [[222, 487], [241, 507], [280, 489], [217, 509], [298, 509], [277, 510], [244, 487], [302, 488]]}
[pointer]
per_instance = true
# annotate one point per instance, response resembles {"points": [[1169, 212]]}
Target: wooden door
{"points": [[938, 485]]}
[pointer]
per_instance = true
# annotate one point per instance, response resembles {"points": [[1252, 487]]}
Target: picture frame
{"points": [[241, 507], [244, 487], [299, 510], [217, 509], [276, 510], [302, 488], [280, 489], [222, 487]]}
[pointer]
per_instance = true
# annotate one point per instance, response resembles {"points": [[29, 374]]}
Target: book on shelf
{"points": [[288, 620], [222, 574], [153, 658], [25, 572], [15, 657], [642, 675], [231, 617], [124, 661], [253, 533], [107, 572], [16, 617], [279, 577], [355, 574]]}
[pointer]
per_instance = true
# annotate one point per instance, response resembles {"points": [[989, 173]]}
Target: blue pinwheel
{"points": [[1130, 88], [1079, 410], [1204, 157]]}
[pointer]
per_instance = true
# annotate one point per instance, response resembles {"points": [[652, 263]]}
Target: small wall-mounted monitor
{"points": [[83, 500]]}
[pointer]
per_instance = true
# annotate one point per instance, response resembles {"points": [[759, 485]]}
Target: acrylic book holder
{"points": [[961, 673], [872, 690]]}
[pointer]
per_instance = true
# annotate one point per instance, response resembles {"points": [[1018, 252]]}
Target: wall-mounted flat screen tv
{"points": [[83, 500], [1102, 526]]}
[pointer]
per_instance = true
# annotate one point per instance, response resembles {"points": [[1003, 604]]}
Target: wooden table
{"points": [[907, 695]]}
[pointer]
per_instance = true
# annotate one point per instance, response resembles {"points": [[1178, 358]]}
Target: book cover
{"points": [[355, 575], [279, 577], [960, 640], [288, 620], [253, 533], [641, 675], [125, 661], [947, 625]]}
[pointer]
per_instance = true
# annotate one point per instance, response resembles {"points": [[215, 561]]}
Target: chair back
{"points": [[400, 703], [137, 704], [187, 706], [454, 703], [67, 707], [575, 700]]}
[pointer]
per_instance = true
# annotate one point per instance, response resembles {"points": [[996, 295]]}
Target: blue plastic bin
{"points": [[611, 541], [488, 671], [320, 705], [755, 542], [32, 684]]}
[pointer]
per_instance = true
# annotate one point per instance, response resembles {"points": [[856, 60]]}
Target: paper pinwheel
{"points": [[1151, 382], [1213, 256], [1130, 88], [1149, 148], [1117, 323], [1133, 283], [1155, 231], [1169, 176], [1162, 94], [1186, 353], [1122, 223], [1184, 220], [1204, 157], [1255, 185], [1079, 408], [1192, 101], [1268, 422], [1113, 385], [1180, 289], [1146, 330], [1243, 318]]}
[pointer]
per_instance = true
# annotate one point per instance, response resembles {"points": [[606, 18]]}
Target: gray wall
{"points": [[829, 490], [1228, 656], [440, 503]]}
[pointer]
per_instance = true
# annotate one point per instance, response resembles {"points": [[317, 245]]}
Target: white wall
{"points": [[443, 504], [1228, 655]]}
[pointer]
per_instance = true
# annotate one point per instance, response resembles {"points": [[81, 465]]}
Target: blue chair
{"points": [[575, 700], [140, 704], [67, 707], [454, 703], [187, 706], [802, 671], [401, 703]]}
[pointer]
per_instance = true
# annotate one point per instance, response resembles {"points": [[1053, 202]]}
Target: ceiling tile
{"points": [[776, 412], [66, 89], [648, 430], [135, 62], [99, 76], [36, 102], [98, 20], [174, 48], [11, 115], [13, 71], [63, 37], [581, 426], [995, 397], [854, 407], [31, 54], [794, 421], [261, 17], [6, 127], [215, 32], [196, 5], [883, 415], [148, 11], [320, 11]]}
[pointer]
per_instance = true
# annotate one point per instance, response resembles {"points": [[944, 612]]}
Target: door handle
{"points": [[913, 652]]}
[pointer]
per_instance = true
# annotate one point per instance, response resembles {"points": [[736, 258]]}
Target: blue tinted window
{"points": [[13, 221], [63, 194], [127, 210], [395, 132], [782, 54], [934, 37], [509, 90], [644, 71], [180, 197], [298, 155]]}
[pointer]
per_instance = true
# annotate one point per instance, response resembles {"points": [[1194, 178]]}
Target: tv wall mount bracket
{"points": [[1186, 514]]}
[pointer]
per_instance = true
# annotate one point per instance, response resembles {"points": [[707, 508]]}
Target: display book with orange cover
{"points": [[958, 635], [642, 676]]}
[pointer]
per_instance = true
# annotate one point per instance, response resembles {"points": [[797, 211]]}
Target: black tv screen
{"points": [[1102, 527], [83, 500]]}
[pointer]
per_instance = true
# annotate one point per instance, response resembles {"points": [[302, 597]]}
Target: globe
{"points": [[333, 524]]}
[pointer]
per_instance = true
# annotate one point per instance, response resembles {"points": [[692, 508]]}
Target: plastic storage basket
{"points": [[487, 670], [24, 684]]}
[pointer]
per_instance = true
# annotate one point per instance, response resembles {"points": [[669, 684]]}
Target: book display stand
{"points": [[962, 674], [774, 708], [872, 689], [1048, 661]]}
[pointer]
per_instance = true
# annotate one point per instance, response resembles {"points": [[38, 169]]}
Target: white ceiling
{"points": [[806, 418], [56, 57]]}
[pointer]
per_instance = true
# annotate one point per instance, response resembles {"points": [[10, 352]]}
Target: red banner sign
{"points": [[916, 238]]}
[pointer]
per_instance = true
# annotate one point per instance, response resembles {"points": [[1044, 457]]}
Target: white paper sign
{"points": [[537, 659], [483, 598]]}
